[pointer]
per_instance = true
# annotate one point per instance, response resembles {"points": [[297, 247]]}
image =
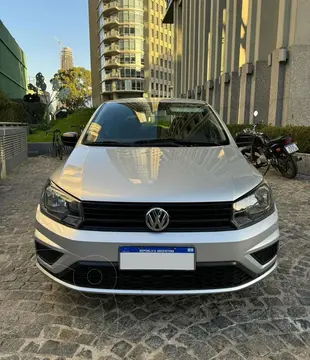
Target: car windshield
{"points": [[144, 122]]}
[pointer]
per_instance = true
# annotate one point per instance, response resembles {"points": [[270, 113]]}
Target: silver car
{"points": [[156, 198]]}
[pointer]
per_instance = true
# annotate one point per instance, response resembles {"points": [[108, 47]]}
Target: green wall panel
{"points": [[13, 71]]}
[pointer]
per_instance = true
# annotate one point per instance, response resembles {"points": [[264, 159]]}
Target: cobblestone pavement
{"points": [[41, 320]]}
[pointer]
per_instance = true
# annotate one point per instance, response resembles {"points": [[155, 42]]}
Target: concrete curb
{"points": [[304, 164]]}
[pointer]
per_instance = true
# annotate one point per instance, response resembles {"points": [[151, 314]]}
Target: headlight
{"points": [[255, 207], [60, 206]]}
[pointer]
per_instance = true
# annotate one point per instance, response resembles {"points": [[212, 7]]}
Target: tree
{"points": [[40, 89], [78, 82]]}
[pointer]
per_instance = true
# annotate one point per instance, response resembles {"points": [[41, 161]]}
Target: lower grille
{"points": [[265, 255], [106, 276], [47, 254]]}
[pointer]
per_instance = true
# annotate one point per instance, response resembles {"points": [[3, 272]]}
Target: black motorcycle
{"points": [[262, 151]]}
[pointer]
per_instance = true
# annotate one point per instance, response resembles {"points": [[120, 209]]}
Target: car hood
{"points": [[153, 174]]}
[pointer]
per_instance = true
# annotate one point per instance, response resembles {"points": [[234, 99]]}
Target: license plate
{"points": [[157, 258], [291, 148]]}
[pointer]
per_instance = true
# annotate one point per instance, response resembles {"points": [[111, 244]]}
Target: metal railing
{"points": [[112, 4], [13, 146], [112, 75], [113, 61], [110, 20]]}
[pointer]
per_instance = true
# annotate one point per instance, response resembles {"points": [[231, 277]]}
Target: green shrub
{"points": [[300, 134], [10, 111], [72, 122]]}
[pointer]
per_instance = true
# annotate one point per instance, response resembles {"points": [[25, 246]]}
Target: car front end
{"points": [[156, 220]]}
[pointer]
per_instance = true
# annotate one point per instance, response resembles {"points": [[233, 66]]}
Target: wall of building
{"points": [[244, 55], [13, 75]]}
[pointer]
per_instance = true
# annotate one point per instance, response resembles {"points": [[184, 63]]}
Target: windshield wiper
{"points": [[175, 142], [106, 143]]}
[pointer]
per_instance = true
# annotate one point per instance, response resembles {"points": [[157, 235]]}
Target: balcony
{"points": [[110, 22], [111, 7], [113, 75], [111, 50], [112, 63], [111, 36]]}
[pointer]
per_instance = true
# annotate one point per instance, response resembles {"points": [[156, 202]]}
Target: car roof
{"points": [[157, 100]]}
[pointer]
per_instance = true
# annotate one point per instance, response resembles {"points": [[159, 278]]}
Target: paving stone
{"points": [[219, 343], [11, 345], [297, 311], [155, 342], [284, 325], [270, 320], [56, 348], [31, 348], [234, 334], [121, 348], [303, 324], [197, 332], [202, 350], [230, 355], [140, 352], [283, 356], [85, 354], [169, 331], [292, 340]]}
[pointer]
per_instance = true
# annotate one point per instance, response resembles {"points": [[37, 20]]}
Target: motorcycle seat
{"points": [[274, 141]]}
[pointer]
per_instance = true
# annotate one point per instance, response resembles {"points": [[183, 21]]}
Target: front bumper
{"points": [[217, 253]]}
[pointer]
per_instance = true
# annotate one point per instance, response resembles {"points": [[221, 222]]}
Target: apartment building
{"points": [[66, 59], [244, 55], [131, 49]]}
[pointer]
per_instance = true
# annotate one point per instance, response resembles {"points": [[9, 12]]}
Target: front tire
{"points": [[60, 152], [287, 165]]}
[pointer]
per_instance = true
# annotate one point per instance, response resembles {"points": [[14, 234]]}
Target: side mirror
{"points": [[70, 138]]}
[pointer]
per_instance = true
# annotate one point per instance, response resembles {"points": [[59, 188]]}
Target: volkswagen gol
{"points": [[156, 198]]}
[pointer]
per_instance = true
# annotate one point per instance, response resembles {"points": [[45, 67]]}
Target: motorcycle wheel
{"points": [[287, 165]]}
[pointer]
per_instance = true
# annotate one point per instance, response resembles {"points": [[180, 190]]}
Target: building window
{"points": [[162, 36], [156, 6], [169, 64], [152, 86], [152, 32], [162, 49], [162, 9], [157, 87], [156, 34], [157, 21], [165, 76], [157, 47], [165, 88], [153, 46], [161, 62], [152, 72], [161, 75], [161, 87], [157, 74], [169, 77], [166, 63]]}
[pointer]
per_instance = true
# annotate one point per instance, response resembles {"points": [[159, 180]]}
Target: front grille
{"points": [[107, 276], [265, 255], [107, 216], [47, 254]]}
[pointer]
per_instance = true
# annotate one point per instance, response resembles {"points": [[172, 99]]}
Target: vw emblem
{"points": [[157, 219]]}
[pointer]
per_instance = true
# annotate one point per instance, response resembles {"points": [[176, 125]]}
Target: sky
{"points": [[35, 23]]}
